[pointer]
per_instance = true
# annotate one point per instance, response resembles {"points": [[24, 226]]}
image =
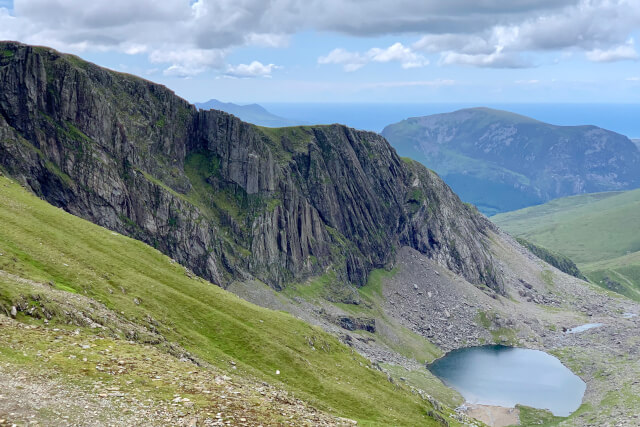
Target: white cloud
{"points": [[471, 44], [397, 52], [487, 33], [427, 83], [633, 79], [135, 49], [255, 69], [267, 40], [598, 27], [623, 52], [351, 61], [497, 59], [189, 62]]}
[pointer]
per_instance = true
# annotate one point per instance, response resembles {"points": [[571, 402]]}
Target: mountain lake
{"points": [[505, 376]]}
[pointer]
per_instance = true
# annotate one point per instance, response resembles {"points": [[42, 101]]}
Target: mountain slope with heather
{"points": [[502, 161]]}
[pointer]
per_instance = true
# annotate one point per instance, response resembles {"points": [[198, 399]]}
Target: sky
{"points": [[391, 51]]}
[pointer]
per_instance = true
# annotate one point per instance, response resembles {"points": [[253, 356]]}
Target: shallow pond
{"points": [[583, 328], [504, 376]]}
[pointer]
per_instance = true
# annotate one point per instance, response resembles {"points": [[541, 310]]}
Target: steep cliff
{"points": [[226, 198]]}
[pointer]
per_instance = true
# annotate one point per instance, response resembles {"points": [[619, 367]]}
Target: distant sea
{"points": [[621, 118]]}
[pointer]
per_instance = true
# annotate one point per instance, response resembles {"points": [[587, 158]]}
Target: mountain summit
{"points": [[502, 161]]}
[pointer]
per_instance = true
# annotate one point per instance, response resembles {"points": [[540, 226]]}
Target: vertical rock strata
{"points": [[226, 198]]}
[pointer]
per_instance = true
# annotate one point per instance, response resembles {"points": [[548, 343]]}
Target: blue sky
{"points": [[351, 50]]}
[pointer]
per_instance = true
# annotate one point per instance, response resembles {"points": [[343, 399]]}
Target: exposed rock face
{"points": [[226, 198], [352, 323], [502, 161]]}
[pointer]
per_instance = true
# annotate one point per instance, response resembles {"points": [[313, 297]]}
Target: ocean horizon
{"points": [[617, 117]]}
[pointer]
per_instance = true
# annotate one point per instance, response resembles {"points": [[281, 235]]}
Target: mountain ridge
{"points": [[226, 198], [250, 113], [501, 161]]}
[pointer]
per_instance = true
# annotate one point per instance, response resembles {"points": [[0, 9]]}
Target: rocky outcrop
{"points": [[226, 198]]}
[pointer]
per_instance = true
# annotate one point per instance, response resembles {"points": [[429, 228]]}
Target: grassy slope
{"points": [[600, 232], [389, 333], [110, 381], [43, 243]]}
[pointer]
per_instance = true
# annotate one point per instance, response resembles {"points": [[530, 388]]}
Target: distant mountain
{"points": [[502, 161], [252, 113], [637, 142], [600, 232]]}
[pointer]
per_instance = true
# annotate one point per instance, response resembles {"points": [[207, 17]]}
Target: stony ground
{"points": [[540, 304], [60, 377], [495, 416], [51, 376]]}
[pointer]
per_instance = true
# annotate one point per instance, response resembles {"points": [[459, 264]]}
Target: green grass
{"points": [[600, 232], [389, 333], [505, 336], [6, 53], [45, 244], [547, 278], [425, 380], [557, 260], [406, 342], [313, 288], [483, 319], [537, 417], [586, 228], [97, 366], [372, 291], [624, 398], [287, 140], [620, 274]]}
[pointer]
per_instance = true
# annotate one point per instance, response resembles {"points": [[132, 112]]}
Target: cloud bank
{"points": [[188, 37], [352, 61]]}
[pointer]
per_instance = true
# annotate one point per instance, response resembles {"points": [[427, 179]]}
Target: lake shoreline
{"points": [[493, 416]]}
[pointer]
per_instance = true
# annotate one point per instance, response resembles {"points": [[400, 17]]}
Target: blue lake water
{"points": [[621, 118], [506, 376]]}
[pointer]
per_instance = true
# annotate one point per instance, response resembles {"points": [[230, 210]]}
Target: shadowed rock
{"points": [[228, 199]]}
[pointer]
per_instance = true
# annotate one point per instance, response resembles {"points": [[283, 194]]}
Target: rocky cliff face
{"points": [[228, 199], [502, 161]]}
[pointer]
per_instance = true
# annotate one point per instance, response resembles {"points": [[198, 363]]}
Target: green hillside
{"points": [[600, 232], [139, 285], [500, 161]]}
